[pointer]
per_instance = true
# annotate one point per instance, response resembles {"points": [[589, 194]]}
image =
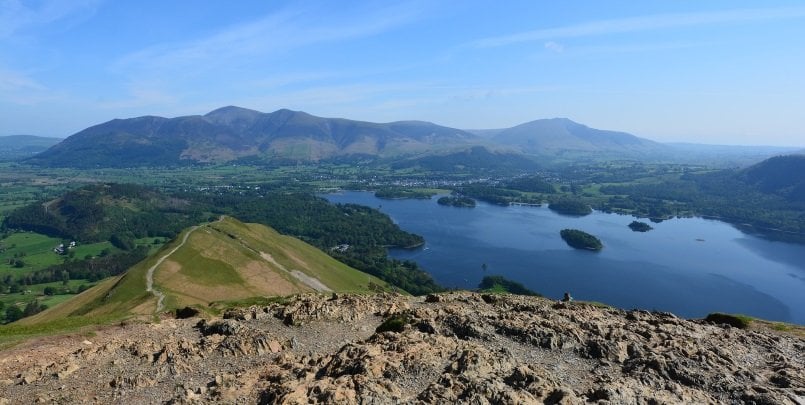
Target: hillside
{"points": [[449, 348], [781, 175], [225, 260], [561, 136], [233, 133]]}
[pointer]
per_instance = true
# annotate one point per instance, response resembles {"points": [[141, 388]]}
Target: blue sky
{"points": [[721, 72]]}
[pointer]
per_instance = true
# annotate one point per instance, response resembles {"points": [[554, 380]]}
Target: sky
{"points": [[716, 72]]}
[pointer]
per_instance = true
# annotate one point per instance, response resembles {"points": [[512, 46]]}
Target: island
{"points": [[581, 240], [570, 207], [638, 226], [457, 201]]}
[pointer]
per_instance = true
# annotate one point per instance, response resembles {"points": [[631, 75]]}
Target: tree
{"points": [[65, 277], [32, 308], [13, 313], [49, 290]]}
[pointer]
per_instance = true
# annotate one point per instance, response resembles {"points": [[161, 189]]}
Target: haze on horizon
{"points": [[717, 72]]}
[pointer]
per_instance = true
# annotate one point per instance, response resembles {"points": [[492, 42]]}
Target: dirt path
{"points": [[309, 281], [149, 277]]}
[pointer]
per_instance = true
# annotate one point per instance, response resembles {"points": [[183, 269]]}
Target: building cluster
{"points": [[61, 249]]}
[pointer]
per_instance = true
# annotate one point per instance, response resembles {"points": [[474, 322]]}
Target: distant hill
{"points": [[561, 136], [477, 158], [15, 147], [232, 133], [226, 260], [782, 175], [724, 155]]}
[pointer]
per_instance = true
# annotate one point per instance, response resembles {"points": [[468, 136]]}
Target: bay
{"points": [[688, 266]]}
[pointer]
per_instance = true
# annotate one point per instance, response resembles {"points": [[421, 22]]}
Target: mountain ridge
{"points": [[233, 133], [230, 133], [224, 260]]}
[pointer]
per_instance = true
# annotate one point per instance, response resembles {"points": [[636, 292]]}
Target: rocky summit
{"points": [[450, 348]]}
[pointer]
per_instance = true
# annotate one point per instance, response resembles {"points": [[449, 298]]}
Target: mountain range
{"points": [[232, 134]]}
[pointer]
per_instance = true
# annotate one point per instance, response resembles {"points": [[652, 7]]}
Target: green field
{"points": [[36, 252]]}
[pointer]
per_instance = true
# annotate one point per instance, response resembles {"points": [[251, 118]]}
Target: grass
{"points": [[495, 289], [736, 321], [396, 323], [203, 270], [782, 327], [295, 254], [32, 248], [16, 332]]}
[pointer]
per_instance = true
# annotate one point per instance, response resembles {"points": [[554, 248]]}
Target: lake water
{"points": [[688, 266]]}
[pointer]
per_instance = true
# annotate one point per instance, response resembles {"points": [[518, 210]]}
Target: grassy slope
{"points": [[220, 261]]}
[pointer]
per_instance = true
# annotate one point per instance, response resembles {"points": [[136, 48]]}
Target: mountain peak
{"points": [[231, 109], [232, 114], [554, 135]]}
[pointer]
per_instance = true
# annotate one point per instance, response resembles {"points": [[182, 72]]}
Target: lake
{"points": [[688, 266]]}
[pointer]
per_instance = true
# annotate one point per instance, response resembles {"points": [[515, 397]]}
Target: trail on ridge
{"points": [[149, 277]]}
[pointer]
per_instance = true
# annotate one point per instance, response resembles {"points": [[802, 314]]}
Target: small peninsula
{"points": [[455, 201], [570, 207], [581, 240], [402, 194], [638, 226]]}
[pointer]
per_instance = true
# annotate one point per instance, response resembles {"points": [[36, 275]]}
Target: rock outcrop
{"points": [[449, 348]]}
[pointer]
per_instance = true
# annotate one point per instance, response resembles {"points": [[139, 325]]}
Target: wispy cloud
{"points": [[554, 47], [280, 31], [19, 88], [643, 23], [16, 16], [17, 81], [141, 95], [391, 98], [581, 51]]}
